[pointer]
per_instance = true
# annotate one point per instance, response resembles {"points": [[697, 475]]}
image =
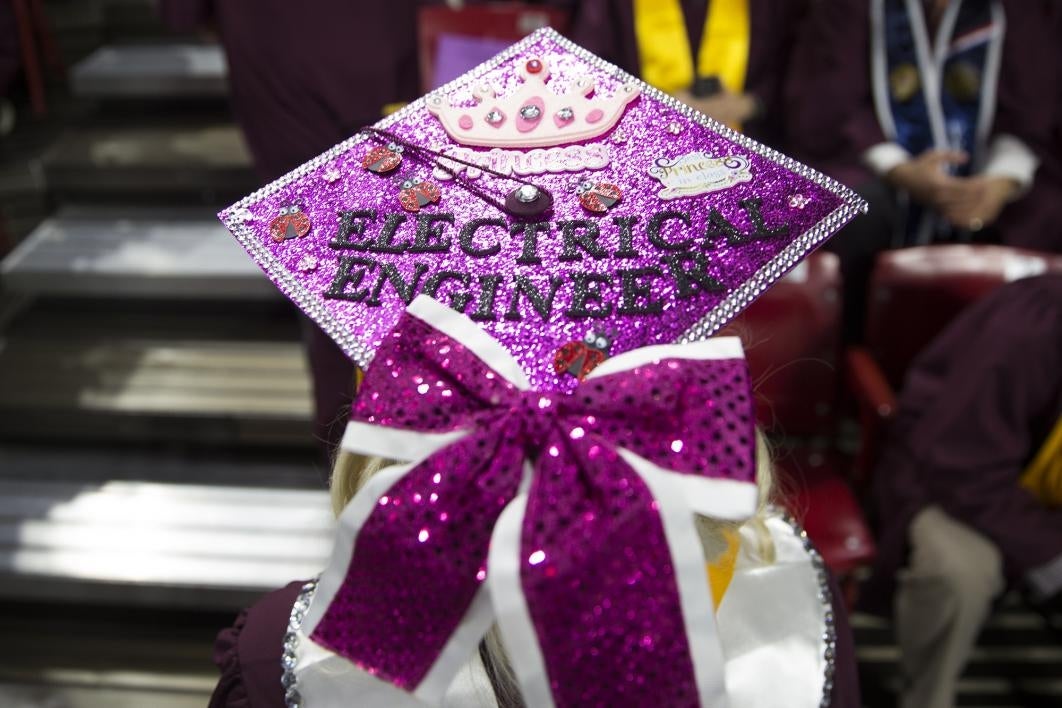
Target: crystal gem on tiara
{"points": [[565, 114], [595, 110], [527, 193]]}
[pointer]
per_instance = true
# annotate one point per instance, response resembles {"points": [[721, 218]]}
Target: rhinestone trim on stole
{"points": [[290, 657], [829, 633]]}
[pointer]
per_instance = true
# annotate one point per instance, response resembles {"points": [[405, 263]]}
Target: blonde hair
{"points": [[351, 471]]}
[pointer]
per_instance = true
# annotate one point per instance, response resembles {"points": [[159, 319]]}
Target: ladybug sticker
{"points": [[599, 197], [417, 193], [291, 222], [580, 358], [382, 159]]}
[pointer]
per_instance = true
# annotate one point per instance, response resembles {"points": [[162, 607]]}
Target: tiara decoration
{"points": [[533, 115], [431, 552]]}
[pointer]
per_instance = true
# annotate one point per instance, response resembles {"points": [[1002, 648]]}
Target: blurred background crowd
{"points": [[166, 421]]}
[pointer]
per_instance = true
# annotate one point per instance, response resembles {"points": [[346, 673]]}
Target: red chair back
{"points": [[915, 292], [503, 22], [791, 340]]}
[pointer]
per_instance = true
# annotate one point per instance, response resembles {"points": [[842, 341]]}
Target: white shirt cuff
{"points": [[881, 158], [1009, 157], [1046, 580]]}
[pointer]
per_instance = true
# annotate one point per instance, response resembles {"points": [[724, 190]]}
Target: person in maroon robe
{"points": [[9, 65], [304, 76], [833, 124], [607, 28], [1035, 221], [956, 526]]}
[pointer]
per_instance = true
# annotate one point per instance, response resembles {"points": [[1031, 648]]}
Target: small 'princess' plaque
{"points": [[696, 173]]}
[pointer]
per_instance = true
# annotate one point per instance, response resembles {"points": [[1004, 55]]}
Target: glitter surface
{"points": [[597, 574], [603, 597], [606, 271]]}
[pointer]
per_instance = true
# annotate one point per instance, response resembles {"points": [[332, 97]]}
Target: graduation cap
{"points": [[543, 225], [662, 224]]}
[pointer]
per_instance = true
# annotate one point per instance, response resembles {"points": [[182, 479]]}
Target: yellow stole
{"points": [[721, 570], [664, 46], [1043, 476]]}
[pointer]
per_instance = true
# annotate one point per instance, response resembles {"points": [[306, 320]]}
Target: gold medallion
{"points": [[904, 82], [963, 81]]}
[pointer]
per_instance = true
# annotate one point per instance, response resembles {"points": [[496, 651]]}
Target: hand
{"points": [[925, 177], [728, 108], [978, 201]]}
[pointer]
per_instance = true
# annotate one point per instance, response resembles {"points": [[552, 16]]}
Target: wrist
{"points": [[899, 176], [752, 107], [1006, 188]]}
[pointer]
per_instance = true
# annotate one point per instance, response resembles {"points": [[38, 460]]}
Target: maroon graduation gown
{"points": [[975, 407], [606, 27], [829, 110], [304, 76], [9, 47]]}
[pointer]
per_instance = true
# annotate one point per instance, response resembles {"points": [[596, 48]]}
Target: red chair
{"points": [[914, 294], [505, 22], [791, 336]]}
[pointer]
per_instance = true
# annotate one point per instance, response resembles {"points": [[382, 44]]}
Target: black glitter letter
{"points": [[543, 304], [429, 238], [384, 243], [529, 253], [653, 230], [689, 280], [637, 296], [468, 232], [582, 233], [389, 274], [626, 236], [347, 275], [584, 295], [719, 225], [352, 223], [458, 300], [487, 293], [752, 206]]}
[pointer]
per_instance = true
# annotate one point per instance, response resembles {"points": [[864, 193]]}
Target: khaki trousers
{"points": [[943, 598]]}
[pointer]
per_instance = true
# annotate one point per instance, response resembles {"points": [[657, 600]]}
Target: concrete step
{"points": [[204, 160], [1017, 661], [209, 546], [134, 252], [73, 655], [152, 71], [205, 372]]}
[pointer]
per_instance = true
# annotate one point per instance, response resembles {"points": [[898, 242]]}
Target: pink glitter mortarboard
{"points": [[664, 224]]}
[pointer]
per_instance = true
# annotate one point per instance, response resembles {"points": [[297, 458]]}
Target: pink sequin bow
{"points": [[565, 518]]}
